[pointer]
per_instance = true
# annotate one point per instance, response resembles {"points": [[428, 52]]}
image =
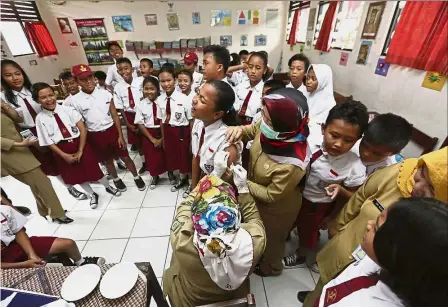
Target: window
{"points": [[346, 23], [304, 13], [393, 25], [13, 16]]}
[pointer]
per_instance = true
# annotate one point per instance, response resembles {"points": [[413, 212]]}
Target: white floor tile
{"points": [[282, 290], [38, 226], [132, 198], [104, 200], [168, 256], [81, 245], [153, 250], [82, 227], [115, 224], [257, 289], [315, 276], [111, 250], [153, 222], [161, 196]]}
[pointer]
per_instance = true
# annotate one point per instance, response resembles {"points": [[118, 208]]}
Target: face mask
{"points": [[268, 132]]}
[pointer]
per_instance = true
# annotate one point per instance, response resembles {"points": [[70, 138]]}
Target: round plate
{"points": [[119, 280], [81, 282]]}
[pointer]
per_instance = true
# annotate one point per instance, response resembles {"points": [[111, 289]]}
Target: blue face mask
{"points": [[268, 132]]}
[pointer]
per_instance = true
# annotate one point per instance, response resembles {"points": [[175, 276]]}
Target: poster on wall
{"points": [[196, 18], [220, 18], [173, 21], [225, 40], [382, 68], [151, 19], [64, 25], [244, 40], [260, 40], [434, 81], [344, 59], [123, 23], [94, 40], [373, 20], [272, 18], [364, 51], [248, 17]]}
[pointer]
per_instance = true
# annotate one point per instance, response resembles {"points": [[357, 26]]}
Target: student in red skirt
{"points": [[17, 92], [149, 125], [174, 109], [103, 125], [21, 251], [61, 129], [127, 95]]}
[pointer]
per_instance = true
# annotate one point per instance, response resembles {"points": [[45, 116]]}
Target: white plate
{"points": [[81, 282], [119, 280]]}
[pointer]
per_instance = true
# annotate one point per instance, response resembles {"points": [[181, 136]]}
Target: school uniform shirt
{"points": [[254, 105], [12, 222], [301, 88], [22, 110], [68, 102], [197, 80], [144, 114], [346, 169], [48, 131], [94, 109], [180, 109], [239, 77], [101, 87], [113, 77], [214, 141], [372, 167], [121, 94], [377, 294]]}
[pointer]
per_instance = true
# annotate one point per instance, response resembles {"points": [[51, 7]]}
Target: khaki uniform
{"points": [[350, 224], [186, 281], [275, 188], [21, 164]]}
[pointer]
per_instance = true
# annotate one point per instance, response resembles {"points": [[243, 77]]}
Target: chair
{"points": [[249, 301], [153, 289], [423, 140]]}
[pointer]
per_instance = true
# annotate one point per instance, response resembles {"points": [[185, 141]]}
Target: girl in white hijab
{"points": [[319, 83]]}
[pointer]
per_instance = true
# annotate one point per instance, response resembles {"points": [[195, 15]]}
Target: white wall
{"points": [[400, 92]]}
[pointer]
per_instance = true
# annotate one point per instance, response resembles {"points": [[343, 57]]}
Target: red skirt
{"points": [[308, 222], [154, 157], [45, 157], [86, 170], [177, 148], [133, 138], [105, 144], [14, 252]]}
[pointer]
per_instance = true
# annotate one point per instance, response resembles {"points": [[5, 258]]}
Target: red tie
{"points": [[154, 114], [245, 103], [65, 133], [131, 98], [168, 110], [316, 156], [30, 109], [336, 293]]}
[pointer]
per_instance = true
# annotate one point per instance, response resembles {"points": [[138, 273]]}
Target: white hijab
{"points": [[321, 100]]}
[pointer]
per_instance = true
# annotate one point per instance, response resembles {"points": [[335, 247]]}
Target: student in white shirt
{"points": [[185, 83], [191, 64], [298, 66], [70, 85], [405, 260], [100, 79], [268, 87], [332, 162], [62, 130], [127, 95], [113, 77], [213, 113], [17, 92], [103, 125], [174, 109], [237, 73], [149, 125]]}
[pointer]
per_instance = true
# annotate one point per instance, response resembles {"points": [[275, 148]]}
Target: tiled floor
{"points": [[135, 227]]}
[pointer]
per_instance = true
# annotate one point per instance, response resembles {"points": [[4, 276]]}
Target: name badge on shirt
{"points": [[378, 205], [209, 168], [359, 253], [178, 116]]}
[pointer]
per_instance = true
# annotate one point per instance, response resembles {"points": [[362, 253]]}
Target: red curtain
{"points": [[420, 39], [295, 24], [40, 38], [326, 28]]}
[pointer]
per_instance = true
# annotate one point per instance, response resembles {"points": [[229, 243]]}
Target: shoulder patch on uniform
{"points": [[176, 226]]}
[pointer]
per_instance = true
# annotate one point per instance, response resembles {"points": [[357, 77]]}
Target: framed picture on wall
{"points": [[373, 20], [64, 25], [225, 40], [173, 21], [123, 23], [260, 40], [244, 39], [151, 19]]}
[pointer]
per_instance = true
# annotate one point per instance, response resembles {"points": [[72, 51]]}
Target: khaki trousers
{"points": [[47, 201]]}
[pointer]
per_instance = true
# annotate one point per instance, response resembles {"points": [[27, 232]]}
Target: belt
{"points": [[68, 141], [102, 130]]}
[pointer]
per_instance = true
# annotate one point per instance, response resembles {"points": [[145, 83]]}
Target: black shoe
{"points": [[113, 191], [94, 260], [24, 210], [179, 185], [63, 220], [94, 201], [121, 165], [154, 182], [119, 184], [134, 148], [302, 295], [172, 178], [76, 194], [142, 170], [140, 183], [187, 191]]}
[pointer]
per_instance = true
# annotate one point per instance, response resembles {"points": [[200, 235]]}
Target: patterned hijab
{"points": [[225, 249]]}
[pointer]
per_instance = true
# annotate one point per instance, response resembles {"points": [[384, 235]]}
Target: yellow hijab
{"points": [[437, 164]]}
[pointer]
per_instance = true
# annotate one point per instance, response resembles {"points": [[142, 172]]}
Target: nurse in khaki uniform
{"points": [[278, 160], [216, 243], [426, 176]]}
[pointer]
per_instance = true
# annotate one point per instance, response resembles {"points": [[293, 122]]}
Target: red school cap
{"points": [[190, 58], [81, 71]]}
